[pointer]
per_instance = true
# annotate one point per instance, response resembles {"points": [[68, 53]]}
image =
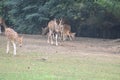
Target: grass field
{"points": [[41, 62]]}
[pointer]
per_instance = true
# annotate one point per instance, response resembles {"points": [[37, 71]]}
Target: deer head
{"points": [[45, 30], [60, 21]]}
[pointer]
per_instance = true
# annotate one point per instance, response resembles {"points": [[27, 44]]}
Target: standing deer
{"points": [[12, 36], [54, 30]]}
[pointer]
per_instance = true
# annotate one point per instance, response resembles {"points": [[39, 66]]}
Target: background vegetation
{"points": [[91, 18]]}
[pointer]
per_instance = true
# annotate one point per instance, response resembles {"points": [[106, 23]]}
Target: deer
{"points": [[72, 35], [12, 36], [66, 31], [53, 31], [45, 31]]}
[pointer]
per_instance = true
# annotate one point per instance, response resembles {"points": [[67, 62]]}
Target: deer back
{"points": [[11, 34], [67, 28]]}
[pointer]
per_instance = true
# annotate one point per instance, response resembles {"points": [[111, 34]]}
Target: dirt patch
{"points": [[38, 44]]}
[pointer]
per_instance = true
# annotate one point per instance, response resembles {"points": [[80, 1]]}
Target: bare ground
{"points": [[80, 46]]}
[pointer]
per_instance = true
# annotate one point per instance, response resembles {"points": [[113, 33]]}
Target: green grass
{"points": [[58, 67]]}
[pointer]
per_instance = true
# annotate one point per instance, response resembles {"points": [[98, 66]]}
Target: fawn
{"points": [[12, 36]]}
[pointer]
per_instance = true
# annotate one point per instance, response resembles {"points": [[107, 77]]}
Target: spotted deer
{"points": [[53, 31], [66, 31], [12, 36]]}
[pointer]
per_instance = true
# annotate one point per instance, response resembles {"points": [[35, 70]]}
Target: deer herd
{"points": [[56, 29]]}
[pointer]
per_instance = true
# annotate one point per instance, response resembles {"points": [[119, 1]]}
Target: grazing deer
{"points": [[66, 31], [12, 36]]}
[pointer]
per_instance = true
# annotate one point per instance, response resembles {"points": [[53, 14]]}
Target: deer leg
{"points": [[7, 50], [51, 37], [0, 30], [14, 46], [56, 37], [64, 37], [48, 38], [70, 37], [61, 36]]}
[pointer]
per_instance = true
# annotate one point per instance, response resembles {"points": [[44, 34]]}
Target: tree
{"points": [[85, 16]]}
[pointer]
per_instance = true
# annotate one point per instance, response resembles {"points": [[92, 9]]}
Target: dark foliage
{"points": [[91, 18]]}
